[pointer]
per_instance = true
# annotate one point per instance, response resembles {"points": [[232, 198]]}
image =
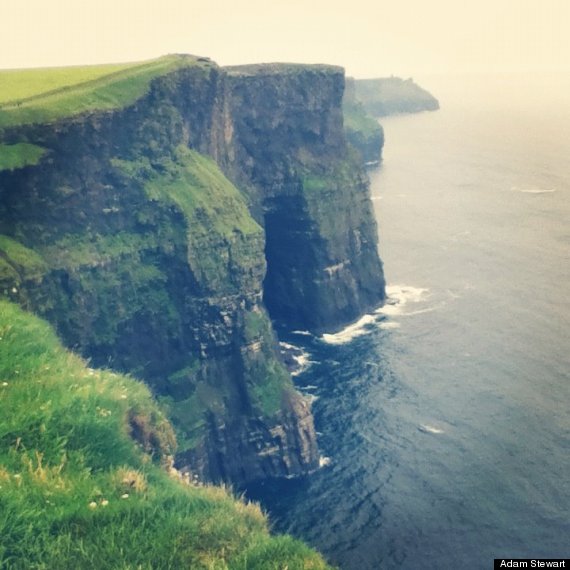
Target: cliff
{"points": [[86, 474], [392, 95], [290, 155], [362, 130], [155, 213]]}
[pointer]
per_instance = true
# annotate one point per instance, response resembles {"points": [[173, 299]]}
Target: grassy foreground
{"points": [[84, 456]]}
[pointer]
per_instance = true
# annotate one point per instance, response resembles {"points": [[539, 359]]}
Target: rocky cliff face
{"points": [[129, 238], [290, 154], [362, 130]]}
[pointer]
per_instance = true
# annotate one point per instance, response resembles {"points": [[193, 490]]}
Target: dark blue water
{"points": [[446, 414]]}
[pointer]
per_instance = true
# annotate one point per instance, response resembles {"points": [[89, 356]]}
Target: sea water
{"points": [[443, 417]]}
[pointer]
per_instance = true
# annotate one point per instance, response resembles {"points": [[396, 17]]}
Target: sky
{"points": [[368, 37]]}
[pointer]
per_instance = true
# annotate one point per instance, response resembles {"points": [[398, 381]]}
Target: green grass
{"points": [[198, 187], [75, 251], [81, 478], [21, 84], [46, 95], [19, 261], [219, 225], [356, 119], [14, 156]]}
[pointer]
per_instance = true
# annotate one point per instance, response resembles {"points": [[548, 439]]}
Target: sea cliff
{"points": [[159, 216]]}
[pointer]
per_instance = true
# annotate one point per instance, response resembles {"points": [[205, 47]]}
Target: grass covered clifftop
{"points": [[35, 96], [83, 473]]}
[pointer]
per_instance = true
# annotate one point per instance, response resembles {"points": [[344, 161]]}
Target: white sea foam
{"points": [[303, 363], [324, 461], [304, 333], [399, 296], [429, 429], [349, 333], [388, 325], [300, 357]]}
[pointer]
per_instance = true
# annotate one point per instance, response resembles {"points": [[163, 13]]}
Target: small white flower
{"points": [[4, 383], [104, 503], [123, 396], [92, 505], [125, 496], [14, 290]]}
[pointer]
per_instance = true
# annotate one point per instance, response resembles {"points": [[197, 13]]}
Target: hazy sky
{"points": [[368, 37]]}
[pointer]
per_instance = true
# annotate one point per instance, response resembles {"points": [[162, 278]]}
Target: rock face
{"points": [[130, 235], [362, 130], [290, 154]]}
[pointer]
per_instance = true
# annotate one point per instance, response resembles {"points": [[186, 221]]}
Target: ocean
{"points": [[443, 417]]}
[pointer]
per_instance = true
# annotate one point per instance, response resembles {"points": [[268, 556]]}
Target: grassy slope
{"points": [[19, 84], [216, 213], [18, 155], [45, 95], [357, 120], [27, 262], [76, 491], [199, 188]]}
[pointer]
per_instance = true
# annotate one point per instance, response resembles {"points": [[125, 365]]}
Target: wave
{"points": [[533, 190], [296, 359], [324, 461], [398, 296], [303, 333], [359, 328], [429, 429], [388, 325]]}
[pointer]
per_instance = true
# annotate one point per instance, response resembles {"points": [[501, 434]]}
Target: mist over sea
{"points": [[445, 415]]}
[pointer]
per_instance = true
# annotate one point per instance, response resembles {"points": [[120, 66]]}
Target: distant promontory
{"points": [[392, 95], [365, 100]]}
